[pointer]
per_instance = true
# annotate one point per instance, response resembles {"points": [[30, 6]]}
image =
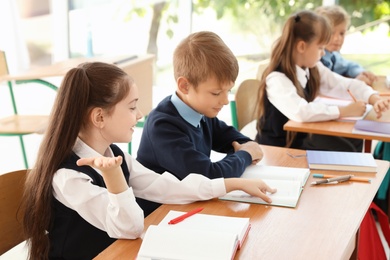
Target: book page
{"points": [[163, 242], [287, 195], [276, 173], [342, 103], [235, 225]]}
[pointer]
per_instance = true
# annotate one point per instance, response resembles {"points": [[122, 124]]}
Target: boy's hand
{"points": [[367, 77], [252, 148]]}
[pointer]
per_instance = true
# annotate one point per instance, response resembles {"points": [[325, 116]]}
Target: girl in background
{"points": [[81, 194], [295, 77]]}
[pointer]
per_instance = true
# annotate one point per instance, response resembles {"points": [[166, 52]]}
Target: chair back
{"points": [[11, 214], [246, 99], [3, 64], [262, 66]]}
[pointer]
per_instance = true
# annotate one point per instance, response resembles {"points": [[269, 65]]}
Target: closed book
{"points": [[288, 181], [341, 161], [372, 124], [200, 236]]}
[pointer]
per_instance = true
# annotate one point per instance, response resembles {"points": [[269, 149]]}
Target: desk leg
{"points": [[367, 146]]}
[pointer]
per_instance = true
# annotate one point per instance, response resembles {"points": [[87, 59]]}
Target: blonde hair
{"points": [[202, 55], [335, 13], [304, 26]]}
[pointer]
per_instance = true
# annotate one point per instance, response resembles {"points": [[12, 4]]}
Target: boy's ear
{"points": [[183, 85], [301, 46]]}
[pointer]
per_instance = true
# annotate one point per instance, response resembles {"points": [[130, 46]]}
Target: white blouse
{"points": [[282, 94], [119, 214]]}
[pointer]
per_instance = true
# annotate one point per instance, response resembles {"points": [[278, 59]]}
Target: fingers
{"points": [[364, 78], [100, 162], [256, 161], [263, 193], [85, 161], [236, 146]]}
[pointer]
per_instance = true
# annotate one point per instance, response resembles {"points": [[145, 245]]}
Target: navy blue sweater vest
{"points": [[71, 237], [271, 126]]}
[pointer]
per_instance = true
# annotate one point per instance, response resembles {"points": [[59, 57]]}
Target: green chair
{"points": [[21, 125], [244, 104]]}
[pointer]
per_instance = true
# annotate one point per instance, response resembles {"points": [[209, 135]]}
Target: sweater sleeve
{"points": [[345, 67], [171, 144]]}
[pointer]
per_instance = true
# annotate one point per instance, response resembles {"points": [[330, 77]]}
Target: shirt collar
{"points": [[84, 151], [302, 75], [185, 111]]}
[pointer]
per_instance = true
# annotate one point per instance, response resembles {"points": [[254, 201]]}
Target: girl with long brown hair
{"points": [[295, 77], [81, 193]]}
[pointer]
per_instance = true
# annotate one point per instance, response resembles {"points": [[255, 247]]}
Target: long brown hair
{"points": [[304, 26], [83, 88]]}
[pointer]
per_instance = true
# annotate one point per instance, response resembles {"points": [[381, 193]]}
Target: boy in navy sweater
{"points": [[181, 131]]}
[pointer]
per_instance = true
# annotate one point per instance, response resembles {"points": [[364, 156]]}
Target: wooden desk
{"points": [[334, 128], [141, 69], [324, 224]]}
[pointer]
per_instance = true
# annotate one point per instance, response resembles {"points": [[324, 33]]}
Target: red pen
{"points": [[184, 216]]}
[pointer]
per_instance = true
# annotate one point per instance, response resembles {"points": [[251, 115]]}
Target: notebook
{"points": [[288, 181], [200, 236], [371, 123], [341, 161], [342, 102]]}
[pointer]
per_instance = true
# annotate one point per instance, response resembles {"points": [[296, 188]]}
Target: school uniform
{"points": [[335, 62], [283, 103], [179, 140], [83, 204]]}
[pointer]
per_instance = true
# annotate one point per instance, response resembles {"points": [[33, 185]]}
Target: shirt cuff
{"points": [[218, 187], [121, 198]]}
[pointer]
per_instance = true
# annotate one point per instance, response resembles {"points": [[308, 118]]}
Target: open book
{"points": [[288, 181], [200, 236], [342, 103]]}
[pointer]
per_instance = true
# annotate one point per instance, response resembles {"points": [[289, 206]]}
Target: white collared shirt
{"points": [[282, 94], [119, 214]]}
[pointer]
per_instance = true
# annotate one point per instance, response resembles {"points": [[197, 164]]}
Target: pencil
{"points": [[352, 96], [353, 178]]}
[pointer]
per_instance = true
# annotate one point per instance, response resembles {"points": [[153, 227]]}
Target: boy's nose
{"points": [[225, 99]]}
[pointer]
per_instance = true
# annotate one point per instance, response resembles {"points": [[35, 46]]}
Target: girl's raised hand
{"points": [[111, 171], [101, 163], [254, 187]]}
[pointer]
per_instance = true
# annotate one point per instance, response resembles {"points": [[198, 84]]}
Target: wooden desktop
{"points": [[324, 225]]}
